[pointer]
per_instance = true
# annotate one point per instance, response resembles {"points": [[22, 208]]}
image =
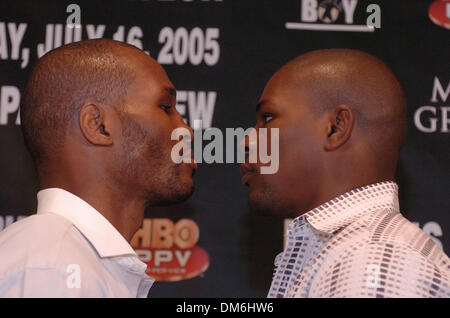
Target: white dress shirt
{"points": [[68, 249], [359, 245]]}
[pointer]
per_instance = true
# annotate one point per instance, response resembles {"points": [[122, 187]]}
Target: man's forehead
{"points": [[283, 93], [142, 64], [279, 86], [154, 89], [151, 77], [169, 92]]}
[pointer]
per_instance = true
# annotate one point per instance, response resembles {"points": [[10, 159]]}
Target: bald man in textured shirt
{"points": [[341, 116]]}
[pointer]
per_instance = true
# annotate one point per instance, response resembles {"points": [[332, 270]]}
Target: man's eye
{"points": [[267, 117], [166, 108]]}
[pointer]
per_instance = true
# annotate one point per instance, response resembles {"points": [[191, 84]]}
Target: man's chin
{"points": [[187, 193], [269, 204], [261, 204], [177, 195]]}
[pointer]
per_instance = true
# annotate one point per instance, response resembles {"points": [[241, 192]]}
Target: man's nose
{"points": [[181, 124], [191, 133], [249, 143]]}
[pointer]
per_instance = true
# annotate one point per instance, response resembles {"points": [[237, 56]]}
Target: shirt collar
{"points": [[352, 205], [92, 224]]}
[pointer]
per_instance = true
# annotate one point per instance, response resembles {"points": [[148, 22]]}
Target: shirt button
{"points": [[278, 259]]}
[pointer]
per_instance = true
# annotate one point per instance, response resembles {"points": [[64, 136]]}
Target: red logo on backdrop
{"points": [[169, 249], [439, 13]]}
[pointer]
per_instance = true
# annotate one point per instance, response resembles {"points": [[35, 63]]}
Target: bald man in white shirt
{"points": [[97, 118]]}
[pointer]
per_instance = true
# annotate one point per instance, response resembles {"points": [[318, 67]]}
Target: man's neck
{"points": [[121, 209]]}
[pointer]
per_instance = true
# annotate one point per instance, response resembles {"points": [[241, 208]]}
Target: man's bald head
{"points": [[333, 77], [64, 79], [341, 116]]}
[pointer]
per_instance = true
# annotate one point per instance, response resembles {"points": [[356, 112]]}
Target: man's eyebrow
{"points": [[260, 104], [171, 91]]}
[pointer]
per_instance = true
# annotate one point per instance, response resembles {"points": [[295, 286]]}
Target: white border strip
{"points": [[329, 27]]}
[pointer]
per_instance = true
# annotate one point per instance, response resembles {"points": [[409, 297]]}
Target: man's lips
{"points": [[246, 178], [194, 167], [190, 161], [247, 172]]}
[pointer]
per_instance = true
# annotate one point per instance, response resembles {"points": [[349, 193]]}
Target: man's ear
{"points": [[92, 121], [339, 128]]}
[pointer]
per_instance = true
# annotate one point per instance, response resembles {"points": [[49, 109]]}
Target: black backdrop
{"points": [[244, 42]]}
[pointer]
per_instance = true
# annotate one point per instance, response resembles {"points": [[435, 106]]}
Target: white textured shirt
{"points": [[68, 249], [359, 245]]}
